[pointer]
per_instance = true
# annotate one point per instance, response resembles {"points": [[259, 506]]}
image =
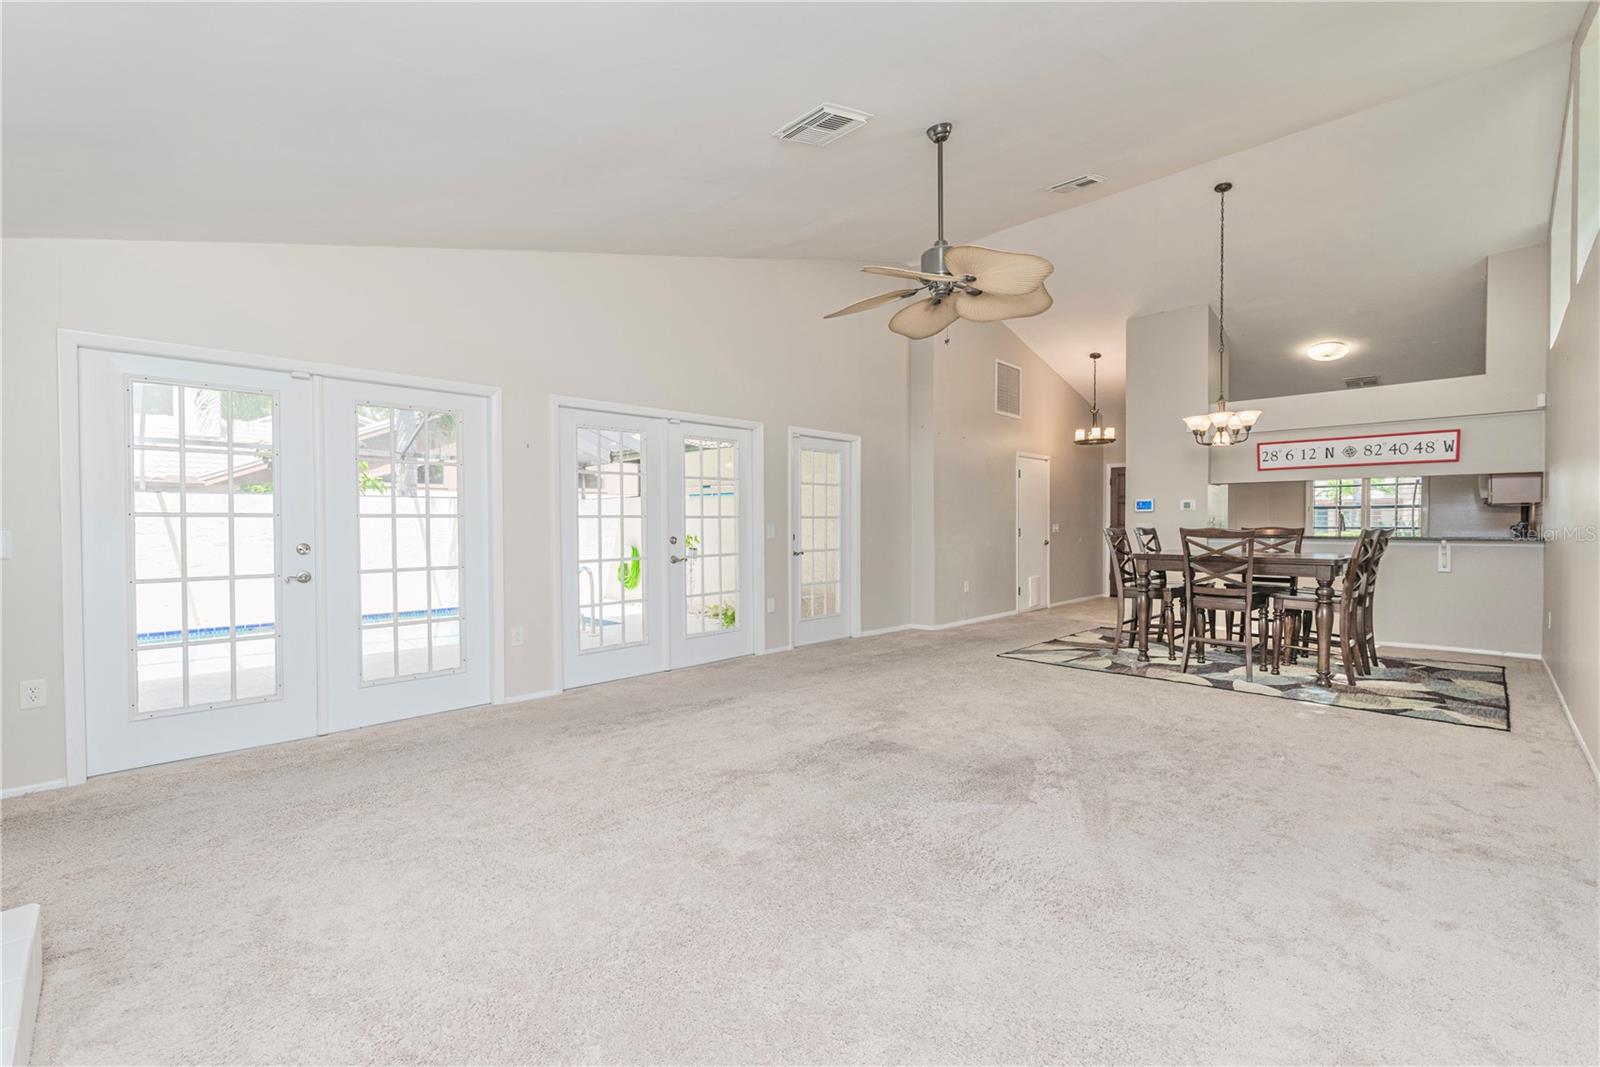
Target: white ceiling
{"points": [[645, 128], [1370, 229]]}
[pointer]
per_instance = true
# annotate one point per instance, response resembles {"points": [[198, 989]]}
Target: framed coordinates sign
{"points": [[1366, 450]]}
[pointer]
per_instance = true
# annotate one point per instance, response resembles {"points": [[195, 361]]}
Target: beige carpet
{"points": [[896, 849]]}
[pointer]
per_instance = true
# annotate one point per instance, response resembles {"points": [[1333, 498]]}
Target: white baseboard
{"points": [[1081, 600], [521, 698], [21, 950], [1456, 648], [36, 787], [790, 647], [1582, 745], [887, 630]]}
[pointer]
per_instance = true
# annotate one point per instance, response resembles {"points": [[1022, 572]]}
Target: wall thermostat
{"points": [[1187, 505], [1144, 505]]}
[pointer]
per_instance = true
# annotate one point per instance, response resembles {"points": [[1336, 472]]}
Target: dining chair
{"points": [[1285, 540], [1125, 581], [1219, 575], [1375, 552], [1295, 611]]}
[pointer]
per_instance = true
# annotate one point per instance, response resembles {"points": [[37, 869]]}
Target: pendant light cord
{"points": [[1222, 304]]}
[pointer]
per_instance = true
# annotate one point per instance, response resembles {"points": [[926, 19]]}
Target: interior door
{"points": [[1033, 532], [197, 482], [1117, 502], [405, 571], [819, 538], [614, 546], [710, 558]]}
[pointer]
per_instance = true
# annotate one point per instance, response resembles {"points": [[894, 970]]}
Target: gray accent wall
{"points": [[963, 476]]}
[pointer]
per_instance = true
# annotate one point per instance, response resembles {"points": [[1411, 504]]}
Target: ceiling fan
{"points": [[964, 282]]}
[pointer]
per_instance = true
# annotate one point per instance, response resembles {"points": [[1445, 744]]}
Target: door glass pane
{"points": [[407, 472], [819, 519], [205, 545], [612, 555], [711, 538]]}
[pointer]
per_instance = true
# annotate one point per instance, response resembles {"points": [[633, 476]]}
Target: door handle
{"points": [[1047, 540], [798, 552], [303, 577], [676, 559]]}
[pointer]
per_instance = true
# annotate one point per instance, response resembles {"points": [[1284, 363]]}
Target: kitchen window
{"points": [[1342, 507]]}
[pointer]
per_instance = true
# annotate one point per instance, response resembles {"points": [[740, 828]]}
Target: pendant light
{"points": [[1221, 427], [1095, 434]]}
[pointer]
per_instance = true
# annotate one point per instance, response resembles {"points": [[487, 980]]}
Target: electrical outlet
{"points": [[966, 586], [772, 530], [518, 637], [772, 604], [1444, 557], [33, 694]]}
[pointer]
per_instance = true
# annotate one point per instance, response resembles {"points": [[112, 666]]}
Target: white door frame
{"points": [[1016, 509], [70, 346], [754, 523], [852, 574], [1105, 520]]}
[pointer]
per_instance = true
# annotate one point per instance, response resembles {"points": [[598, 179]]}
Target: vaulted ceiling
{"points": [[645, 128]]}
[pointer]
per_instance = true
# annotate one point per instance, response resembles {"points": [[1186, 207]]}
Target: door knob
{"points": [[676, 559], [303, 577], [799, 552]]}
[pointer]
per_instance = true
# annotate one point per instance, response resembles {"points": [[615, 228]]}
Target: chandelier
{"points": [[1095, 434], [1221, 427]]}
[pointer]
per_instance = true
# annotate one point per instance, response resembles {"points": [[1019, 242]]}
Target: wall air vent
{"points": [[1362, 381], [1007, 390], [1082, 181], [823, 124]]}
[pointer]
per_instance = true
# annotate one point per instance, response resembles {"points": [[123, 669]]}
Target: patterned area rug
{"points": [[1468, 694]]}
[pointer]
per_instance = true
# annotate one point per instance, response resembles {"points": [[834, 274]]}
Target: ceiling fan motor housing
{"points": [[933, 258]]}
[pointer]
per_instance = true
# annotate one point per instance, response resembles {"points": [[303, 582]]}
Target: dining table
{"points": [[1322, 567]]}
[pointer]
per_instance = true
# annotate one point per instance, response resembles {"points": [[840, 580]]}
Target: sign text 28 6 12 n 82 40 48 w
{"points": [[1364, 450]]}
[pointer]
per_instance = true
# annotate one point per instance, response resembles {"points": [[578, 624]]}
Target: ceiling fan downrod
{"points": [[933, 258]]}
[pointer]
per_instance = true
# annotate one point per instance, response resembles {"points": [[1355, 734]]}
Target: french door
{"points": [[407, 559], [196, 481], [230, 572], [658, 569], [820, 542]]}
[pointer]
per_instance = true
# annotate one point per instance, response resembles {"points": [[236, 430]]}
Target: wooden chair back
{"points": [[1219, 568], [1285, 539], [1149, 539], [1376, 543], [1124, 577], [1356, 572]]}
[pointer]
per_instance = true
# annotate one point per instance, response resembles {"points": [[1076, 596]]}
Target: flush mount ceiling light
{"points": [[1328, 351], [1095, 434], [1221, 427], [965, 282]]}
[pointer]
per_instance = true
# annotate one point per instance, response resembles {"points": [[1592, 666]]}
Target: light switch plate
{"points": [[1444, 557]]}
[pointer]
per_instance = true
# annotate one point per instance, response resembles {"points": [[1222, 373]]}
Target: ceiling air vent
{"points": [[1007, 390], [824, 124], [1362, 381], [1082, 181]]}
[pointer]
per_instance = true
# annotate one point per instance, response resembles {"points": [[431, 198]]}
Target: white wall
{"points": [[1571, 518], [719, 337], [1172, 372], [964, 476]]}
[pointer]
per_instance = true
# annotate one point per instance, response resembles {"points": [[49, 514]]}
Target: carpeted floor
{"points": [[902, 848], [1438, 689]]}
